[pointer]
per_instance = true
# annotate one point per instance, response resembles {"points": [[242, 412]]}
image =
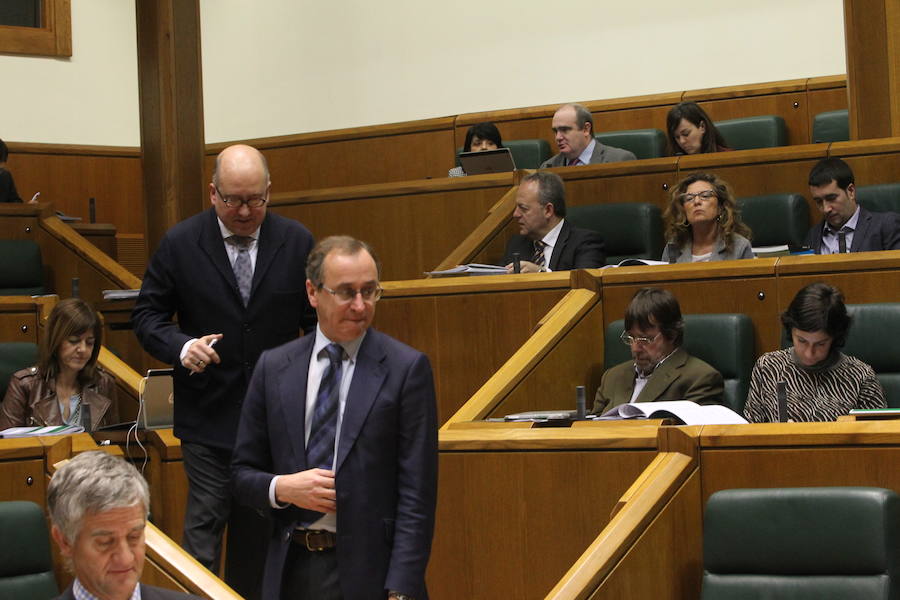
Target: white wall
{"points": [[90, 98], [275, 67]]}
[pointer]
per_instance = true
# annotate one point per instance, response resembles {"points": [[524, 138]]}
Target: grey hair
{"points": [[582, 116], [551, 190], [91, 483], [342, 244]]}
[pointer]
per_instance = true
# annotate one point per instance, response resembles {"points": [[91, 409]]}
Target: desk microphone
{"points": [[86, 416], [580, 408], [672, 251], [517, 263], [781, 393]]}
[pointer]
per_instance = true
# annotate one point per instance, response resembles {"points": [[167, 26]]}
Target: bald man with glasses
{"points": [[660, 368], [223, 286]]}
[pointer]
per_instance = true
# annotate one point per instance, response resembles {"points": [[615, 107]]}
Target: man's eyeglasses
{"points": [[629, 340], [254, 201], [370, 293], [705, 195]]}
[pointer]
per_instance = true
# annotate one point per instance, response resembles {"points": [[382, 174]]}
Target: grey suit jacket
{"points": [[601, 154], [680, 377], [874, 231], [739, 249]]}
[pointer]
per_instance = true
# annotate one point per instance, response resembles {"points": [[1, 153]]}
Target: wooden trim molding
{"points": [[53, 39]]}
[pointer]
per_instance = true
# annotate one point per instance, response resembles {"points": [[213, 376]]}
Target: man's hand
{"points": [[527, 267], [200, 353], [312, 489]]}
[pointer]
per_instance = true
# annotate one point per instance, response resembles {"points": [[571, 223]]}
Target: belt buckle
{"points": [[308, 535]]}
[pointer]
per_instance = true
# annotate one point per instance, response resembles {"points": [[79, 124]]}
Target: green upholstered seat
{"points": [[767, 131], [776, 219], [802, 543], [725, 341], [21, 269], [13, 357], [884, 197], [831, 126], [873, 340], [629, 229], [645, 143], [527, 154], [26, 569]]}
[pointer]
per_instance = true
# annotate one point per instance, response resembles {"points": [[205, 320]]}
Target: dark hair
{"points": [[484, 131], [831, 169], [582, 116], [551, 190], [342, 244], [712, 138], [818, 307], [678, 230], [4, 151], [659, 307], [70, 317]]}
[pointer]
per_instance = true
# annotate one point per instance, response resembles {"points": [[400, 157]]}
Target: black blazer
{"points": [[874, 231], [386, 468], [575, 249], [190, 277]]}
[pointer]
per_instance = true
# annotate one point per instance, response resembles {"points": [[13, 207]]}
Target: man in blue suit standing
{"points": [[338, 438]]}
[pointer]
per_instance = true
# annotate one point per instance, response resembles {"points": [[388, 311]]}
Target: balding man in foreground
{"points": [[234, 278]]}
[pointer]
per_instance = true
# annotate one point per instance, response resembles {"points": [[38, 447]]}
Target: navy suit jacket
{"points": [[575, 249], [386, 475], [190, 276], [148, 592], [874, 231]]}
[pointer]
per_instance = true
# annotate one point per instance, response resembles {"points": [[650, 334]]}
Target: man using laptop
{"points": [[573, 131]]}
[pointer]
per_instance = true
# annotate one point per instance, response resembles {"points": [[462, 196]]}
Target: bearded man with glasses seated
{"points": [[660, 368]]}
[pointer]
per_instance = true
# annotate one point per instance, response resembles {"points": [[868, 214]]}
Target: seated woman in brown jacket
{"points": [[66, 378]]}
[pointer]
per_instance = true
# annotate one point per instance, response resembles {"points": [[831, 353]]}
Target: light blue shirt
{"points": [[830, 243], [587, 153]]}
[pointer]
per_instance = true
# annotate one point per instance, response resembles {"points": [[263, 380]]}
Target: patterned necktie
{"points": [[574, 162], [243, 270], [538, 257], [320, 447]]}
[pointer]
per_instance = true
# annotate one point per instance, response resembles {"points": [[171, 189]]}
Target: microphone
{"points": [[517, 263], [672, 251], [781, 393]]}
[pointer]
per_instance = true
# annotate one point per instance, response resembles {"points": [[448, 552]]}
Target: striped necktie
{"points": [[538, 257], [320, 447]]}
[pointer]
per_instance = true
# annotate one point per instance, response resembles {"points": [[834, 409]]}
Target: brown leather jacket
{"points": [[31, 401]]}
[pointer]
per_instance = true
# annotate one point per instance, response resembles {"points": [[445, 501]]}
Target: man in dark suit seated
{"points": [[573, 131], [98, 507], [546, 241], [661, 369], [338, 441], [847, 226]]}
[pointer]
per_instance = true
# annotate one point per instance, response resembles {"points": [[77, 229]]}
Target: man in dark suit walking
{"points": [[233, 276], [546, 241], [338, 438], [847, 226]]}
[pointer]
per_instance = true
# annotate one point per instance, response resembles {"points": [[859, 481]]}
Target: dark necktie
{"points": [[243, 270], [574, 162], [320, 447], [538, 257], [842, 242]]}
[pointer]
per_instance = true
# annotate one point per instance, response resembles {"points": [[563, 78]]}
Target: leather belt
{"points": [[314, 540]]}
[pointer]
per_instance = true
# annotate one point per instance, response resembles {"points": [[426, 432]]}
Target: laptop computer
{"points": [[157, 400], [489, 161]]}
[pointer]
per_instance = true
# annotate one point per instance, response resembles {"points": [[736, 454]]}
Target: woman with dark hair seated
{"points": [[691, 131], [8, 191], [703, 223], [66, 379], [479, 137], [821, 382]]}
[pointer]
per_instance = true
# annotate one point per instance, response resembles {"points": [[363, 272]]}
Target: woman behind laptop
{"points": [[821, 383], [479, 137], [66, 379]]}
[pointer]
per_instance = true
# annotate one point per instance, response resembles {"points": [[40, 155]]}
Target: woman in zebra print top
{"points": [[821, 382]]}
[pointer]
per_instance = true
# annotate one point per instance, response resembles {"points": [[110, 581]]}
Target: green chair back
{"points": [[26, 568], [21, 269], [768, 131], [645, 143], [628, 229], [13, 357], [802, 543], [725, 341], [776, 219], [884, 197], [872, 339], [831, 126]]}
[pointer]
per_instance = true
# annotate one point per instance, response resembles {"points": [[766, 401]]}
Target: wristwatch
{"points": [[399, 596]]}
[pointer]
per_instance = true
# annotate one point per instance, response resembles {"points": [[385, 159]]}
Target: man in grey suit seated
{"points": [[847, 226], [661, 369], [98, 507], [573, 129]]}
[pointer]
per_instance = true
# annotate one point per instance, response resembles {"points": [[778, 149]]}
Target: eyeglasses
{"points": [[254, 201], [628, 339], [705, 195], [346, 295]]}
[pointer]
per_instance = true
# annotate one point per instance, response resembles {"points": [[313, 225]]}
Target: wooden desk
{"points": [[101, 235]]}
